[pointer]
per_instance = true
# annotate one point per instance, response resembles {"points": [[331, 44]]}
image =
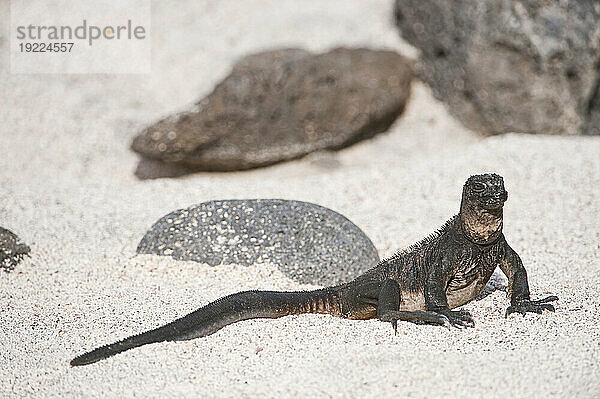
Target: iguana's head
{"points": [[485, 191], [481, 207]]}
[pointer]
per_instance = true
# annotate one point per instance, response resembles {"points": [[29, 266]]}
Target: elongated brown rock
{"points": [[283, 104]]}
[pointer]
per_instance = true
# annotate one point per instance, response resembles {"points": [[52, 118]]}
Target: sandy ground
{"points": [[67, 188]]}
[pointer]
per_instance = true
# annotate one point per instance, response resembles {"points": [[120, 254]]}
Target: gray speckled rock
{"points": [[12, 250], [308, 242], [530, 66], [283, 104]]}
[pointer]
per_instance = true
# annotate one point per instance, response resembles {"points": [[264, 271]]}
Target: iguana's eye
{"points": [[478, 187]]}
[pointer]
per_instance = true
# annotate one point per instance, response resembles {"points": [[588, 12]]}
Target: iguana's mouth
{"points": [[493, 204]]}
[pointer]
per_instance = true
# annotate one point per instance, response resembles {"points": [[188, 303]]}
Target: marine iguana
{"points": [[420, 284]]}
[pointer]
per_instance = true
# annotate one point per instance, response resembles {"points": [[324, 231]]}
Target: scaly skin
{"points": [[420, 284]]}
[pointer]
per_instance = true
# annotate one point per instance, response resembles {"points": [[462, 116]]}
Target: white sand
{"points": [[67, 189]]}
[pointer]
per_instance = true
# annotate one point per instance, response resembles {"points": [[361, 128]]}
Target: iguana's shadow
{"points": [[496, 283]]}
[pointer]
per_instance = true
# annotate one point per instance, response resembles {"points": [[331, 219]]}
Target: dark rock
{"points": [[308, 242], [283, 104], [502, 66], [12, 249]]}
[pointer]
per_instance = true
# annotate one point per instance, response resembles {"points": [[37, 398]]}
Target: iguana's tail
{"points": [[227, 310]]}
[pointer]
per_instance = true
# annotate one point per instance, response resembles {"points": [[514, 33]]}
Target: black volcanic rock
{"points": [[510, 66], [12, 249]]}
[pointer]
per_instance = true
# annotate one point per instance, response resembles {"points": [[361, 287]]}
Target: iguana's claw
{"points": [[550, 298], [457, 318], [532, 306], [447, 322], [461, 319], [438, 319], [395, 325]]}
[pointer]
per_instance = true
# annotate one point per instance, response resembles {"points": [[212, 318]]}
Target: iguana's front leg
{"points": [[518, 287], [388, 304], [436, 299]]}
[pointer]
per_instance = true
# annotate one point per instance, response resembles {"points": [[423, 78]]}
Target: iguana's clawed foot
{"points": [[532, 306], [416, 316], [457, 318], [433, 318]]}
